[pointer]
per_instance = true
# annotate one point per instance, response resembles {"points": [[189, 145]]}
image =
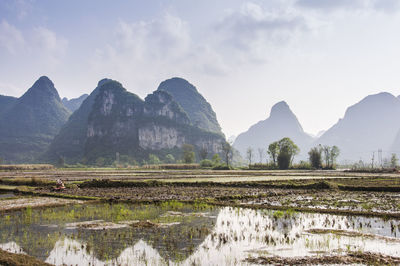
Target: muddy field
{"points": [[285, 192]]}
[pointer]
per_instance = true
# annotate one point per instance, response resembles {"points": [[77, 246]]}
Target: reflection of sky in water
{"points": [[4, 194], [240, 233]]}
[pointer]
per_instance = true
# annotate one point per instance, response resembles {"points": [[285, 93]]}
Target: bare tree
{"points": [[261, 154], [250, 154]]}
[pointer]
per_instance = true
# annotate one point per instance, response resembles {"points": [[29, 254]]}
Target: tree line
{"points": [[283, 152]]}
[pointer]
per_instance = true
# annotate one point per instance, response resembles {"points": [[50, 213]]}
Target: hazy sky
{"points": [[320, 56]]}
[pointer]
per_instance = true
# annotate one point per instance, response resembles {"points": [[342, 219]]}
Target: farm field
{"points": [[186, 217]]}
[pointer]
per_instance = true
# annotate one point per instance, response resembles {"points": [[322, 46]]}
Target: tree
{"points": [[394, 160], [260, 154], [287, 151], [153, 159], [334, 153], [216, 159], [203, 153], [273, 151], [100, 161], [60, 163], [169, 158], [188, 153], [330, 155], [315, 157], [227, 152], [249, 154]]}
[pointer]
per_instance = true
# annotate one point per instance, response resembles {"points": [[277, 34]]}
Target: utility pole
{"points": [[380, 157]]}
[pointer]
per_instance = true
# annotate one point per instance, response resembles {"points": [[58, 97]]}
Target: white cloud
{"points": [[165, 46], [11, 38], [48, 44], [156, 49], [255, 32], [351, 5], [34, 43]]}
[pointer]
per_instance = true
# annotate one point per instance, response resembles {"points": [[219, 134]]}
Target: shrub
{"points": [[188, 153], [262, 166], [222, 167], [284, 160], [315, 157], [153, 159], [206, 163]]}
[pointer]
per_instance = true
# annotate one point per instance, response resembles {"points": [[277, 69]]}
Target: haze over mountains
{"points": [[40, 127], [368, 126], [73, 104], [281, 123]]}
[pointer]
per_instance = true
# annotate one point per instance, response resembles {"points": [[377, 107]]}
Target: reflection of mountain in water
{"points": [[237, 234]]}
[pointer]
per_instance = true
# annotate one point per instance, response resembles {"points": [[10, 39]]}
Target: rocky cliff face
{"points": [[155, 137], [114, 120], [161, 103]]}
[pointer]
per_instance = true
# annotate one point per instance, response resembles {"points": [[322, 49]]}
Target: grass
{"points": [[14, 167], [30, 181]]}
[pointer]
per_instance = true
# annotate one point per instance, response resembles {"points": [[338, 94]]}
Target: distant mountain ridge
{"points": [[367, 126], [29, 123], [6, 102], [281, 123], [73, 104]]}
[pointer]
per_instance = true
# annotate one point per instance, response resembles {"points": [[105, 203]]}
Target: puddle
{"points": [[182, 234], [6, 194]]}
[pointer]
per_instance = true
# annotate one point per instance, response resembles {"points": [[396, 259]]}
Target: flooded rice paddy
{"points": [[177, 233], [5, 194]]}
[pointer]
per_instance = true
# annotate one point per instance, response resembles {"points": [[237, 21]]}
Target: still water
{"points": [[174, 233]]}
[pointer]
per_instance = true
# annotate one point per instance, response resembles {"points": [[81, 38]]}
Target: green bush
{"points": [[222, 167], [206, 163]]}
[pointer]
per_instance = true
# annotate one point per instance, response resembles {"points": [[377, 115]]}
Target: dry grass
{"points": [[14, 167], [11, 259], [171, 166], [30, 181]]}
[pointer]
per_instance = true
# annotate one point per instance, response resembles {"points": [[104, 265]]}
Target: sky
{"points": [[320, 56]]}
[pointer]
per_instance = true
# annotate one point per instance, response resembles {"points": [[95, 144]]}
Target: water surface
{"points": [[182, 234]]}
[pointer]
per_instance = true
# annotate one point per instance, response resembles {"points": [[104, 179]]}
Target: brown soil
{"points": [[33, 202], [350, 258], [161, 193], [381, 203], [11, 259], [144, 224]]}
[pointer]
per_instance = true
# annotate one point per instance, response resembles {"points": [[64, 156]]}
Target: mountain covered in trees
{"points": [[73, 104], [193, 103], [113, 122], [29, 123], [366, 127], [281, 123]]}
